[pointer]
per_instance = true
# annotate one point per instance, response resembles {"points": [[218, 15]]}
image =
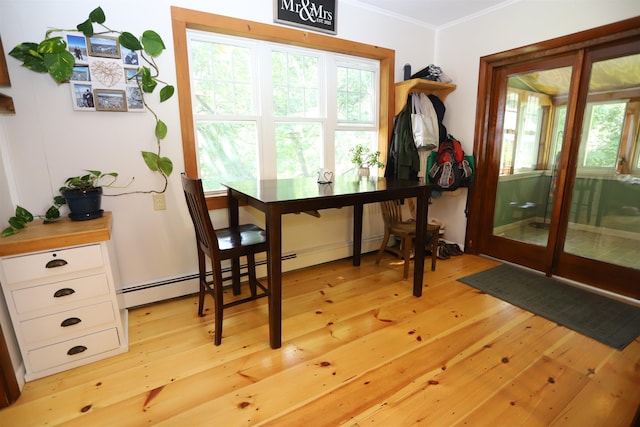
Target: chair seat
{"points": [[242, 235], [403, 229]]}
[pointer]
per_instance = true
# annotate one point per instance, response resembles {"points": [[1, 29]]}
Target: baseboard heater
{"points": [[225, 271]]}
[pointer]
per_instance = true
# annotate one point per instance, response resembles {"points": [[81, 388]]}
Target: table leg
{"points": [[421, 228], [232, 209], [273, 219], [357, 233], [234, 218]]}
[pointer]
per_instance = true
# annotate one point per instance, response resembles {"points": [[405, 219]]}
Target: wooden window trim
{"points": [[185, 19]]}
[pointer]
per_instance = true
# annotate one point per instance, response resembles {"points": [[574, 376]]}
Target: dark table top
{"points": [[298, 189]]}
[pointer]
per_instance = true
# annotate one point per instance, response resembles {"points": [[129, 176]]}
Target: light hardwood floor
{"points": [[358, 349]]}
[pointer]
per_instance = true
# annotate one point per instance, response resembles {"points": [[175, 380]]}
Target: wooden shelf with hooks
{"points": [[403, 89]]}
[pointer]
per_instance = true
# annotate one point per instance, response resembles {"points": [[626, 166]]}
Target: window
{"points": [[266, 110], [185, 20], [523, 126], [523, 134], [601, 135], [345, 133]]}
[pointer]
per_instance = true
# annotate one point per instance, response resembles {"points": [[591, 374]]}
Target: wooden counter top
{"points": [[62, 233]]}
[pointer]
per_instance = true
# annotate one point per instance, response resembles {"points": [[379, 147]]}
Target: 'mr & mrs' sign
{"points": [[319, 15]]}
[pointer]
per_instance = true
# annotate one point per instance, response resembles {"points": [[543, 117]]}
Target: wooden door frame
{"points": [[8, 381], [480, 218]]}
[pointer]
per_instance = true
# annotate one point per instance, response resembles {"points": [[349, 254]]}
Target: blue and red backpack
{"points": [[450, 169]]}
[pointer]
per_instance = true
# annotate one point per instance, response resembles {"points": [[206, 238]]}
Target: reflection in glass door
{"points": [[604, 218], [532, 137]]}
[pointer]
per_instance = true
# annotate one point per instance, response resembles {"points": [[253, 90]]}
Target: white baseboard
{"points": [[174, 287]]}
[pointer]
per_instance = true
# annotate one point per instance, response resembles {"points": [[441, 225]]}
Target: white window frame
{"points": [[262, 91]]}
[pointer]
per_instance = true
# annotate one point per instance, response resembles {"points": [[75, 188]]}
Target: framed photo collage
{"points": [[103, 77]]}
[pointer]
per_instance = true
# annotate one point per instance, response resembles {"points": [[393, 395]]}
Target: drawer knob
{"points": [[63, 292], [56, 263], [70, 322], [76, 350]]}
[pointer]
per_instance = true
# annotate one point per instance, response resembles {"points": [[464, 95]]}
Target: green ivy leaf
{"points": [[9, 231], [25, 50], [23, 214], [97, 15], [161, 129], [59, 200], [30, 57], [17, 223], [52, 214], [129, 41], [148, 83], [166, 92], [86, 28], [35, 64], [52, 45], [166, 165], [151, 159], [152, 42], [59, 65]]}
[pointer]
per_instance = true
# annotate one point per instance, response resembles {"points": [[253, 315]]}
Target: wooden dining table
{"points": [[276, 197]]}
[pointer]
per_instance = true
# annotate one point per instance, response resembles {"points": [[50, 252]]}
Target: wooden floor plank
{"points": [[358, 349]]}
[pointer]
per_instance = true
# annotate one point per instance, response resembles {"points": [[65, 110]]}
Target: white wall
{"points": [[460, 47]]}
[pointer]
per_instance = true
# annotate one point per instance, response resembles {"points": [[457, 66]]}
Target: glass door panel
{"points": [[604, 218], [532, 136]]}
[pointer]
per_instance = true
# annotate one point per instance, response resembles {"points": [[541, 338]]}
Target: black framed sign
{"points": [[319, 15]]}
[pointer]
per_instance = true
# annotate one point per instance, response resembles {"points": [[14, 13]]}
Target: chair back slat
{"points": [[194, 196], [391, 212]]}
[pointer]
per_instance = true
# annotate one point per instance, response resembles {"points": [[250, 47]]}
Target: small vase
{"points": [[363, 171]]}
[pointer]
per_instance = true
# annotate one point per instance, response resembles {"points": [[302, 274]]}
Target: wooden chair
{"points": [[406, 232], [222, 244]]}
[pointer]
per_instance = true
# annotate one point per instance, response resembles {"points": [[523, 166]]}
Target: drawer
{"points": [[68, 324], [50, 264], [73, 350], [59, 295]]}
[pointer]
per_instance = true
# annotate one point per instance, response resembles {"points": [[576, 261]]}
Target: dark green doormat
{"points": [[609, 321]]}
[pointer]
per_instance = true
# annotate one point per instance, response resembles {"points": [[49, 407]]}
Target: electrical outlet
{"points": [[159, 202]]}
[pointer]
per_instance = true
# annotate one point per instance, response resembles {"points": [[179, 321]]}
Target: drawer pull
{"points": [[70, 322], [56, 263], [76, 350], [63, 292]]}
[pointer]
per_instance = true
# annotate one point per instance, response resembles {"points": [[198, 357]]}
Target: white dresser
{"points": [[60, 284]]}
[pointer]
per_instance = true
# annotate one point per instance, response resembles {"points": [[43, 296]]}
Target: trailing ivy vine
{"points": [[52, 56]]}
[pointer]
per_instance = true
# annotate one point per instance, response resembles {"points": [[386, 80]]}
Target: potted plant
{"points": [[364, 158], [82, 194]]}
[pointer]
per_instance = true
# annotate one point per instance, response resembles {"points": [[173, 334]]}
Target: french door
{"points": [[558, 159]]}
